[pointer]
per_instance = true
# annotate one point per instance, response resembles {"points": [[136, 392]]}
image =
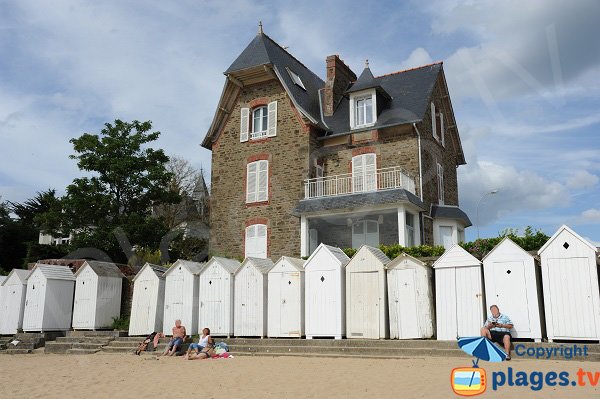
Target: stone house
{"points": [[298, 161]]}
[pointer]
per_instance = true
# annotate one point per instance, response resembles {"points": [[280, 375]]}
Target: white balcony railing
{"points": [[376, 180]]}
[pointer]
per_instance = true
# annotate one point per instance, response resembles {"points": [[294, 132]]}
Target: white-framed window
{"points": [[437, 124], [260, 119], [295, 78], [364, 173], [409, 229], [257, 181], [256, 241], [440, 184], [446, 238], [261, 122], [461, 235], [363, 109], [365, 232]]}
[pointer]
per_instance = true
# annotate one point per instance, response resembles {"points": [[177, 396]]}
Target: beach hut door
{"points": [[84, 300], [469, 301], [212, 307], [365, 304], [177, 298], [34, 303], [11, 307], [324, 302], [144, 308], [511, 293], [290, 303], [406, 304], [571, 296]]}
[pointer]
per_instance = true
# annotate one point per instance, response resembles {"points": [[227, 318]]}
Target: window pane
{"points": [[372, 227], [264, 120], [360, 112], [368, 110], [410, 221]]}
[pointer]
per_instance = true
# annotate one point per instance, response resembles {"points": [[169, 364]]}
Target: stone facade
{"points": [[287, 153]]}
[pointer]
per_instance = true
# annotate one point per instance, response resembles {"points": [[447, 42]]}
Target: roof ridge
{"points": [[291, 55], [410, 69]]}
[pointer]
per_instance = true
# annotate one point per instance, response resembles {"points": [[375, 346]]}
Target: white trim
{"points": [[440, 183], [358, 96], [303, 236], [433, 122], [401, 225]]}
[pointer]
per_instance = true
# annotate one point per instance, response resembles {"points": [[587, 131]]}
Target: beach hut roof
{"points": [[158, 270], [193, 267], [3, 279], [507, 241], [295, 262], [52, 272], [560, 230], [263, 265], [21, 274], [402, 257], [231, 265], [102, 269], [336, 252], [456, 256], [378, 253]]}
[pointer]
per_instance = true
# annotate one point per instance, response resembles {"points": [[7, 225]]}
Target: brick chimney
{"points": [[339, 76]]}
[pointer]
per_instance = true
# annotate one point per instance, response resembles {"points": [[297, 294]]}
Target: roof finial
{"points": [[366, 63], [260, 30]]}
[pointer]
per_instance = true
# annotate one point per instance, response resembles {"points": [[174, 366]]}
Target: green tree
{"points": [[14, 236], [44, 212]]}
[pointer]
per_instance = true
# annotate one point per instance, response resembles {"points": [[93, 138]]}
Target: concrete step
{"points": [[85, 345], [84, 339], [17, 351], [341, 343], [99, 333], [75, 351], [133, 344], [57, 347]]}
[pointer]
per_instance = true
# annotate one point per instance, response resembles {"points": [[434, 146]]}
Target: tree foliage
{"points": [[531, 240]]}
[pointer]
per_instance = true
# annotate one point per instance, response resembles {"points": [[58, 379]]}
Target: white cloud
{"points": [[582, 179], [418, 57], [591, 215]]}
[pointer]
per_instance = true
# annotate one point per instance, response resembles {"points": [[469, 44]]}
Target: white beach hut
{"points": [[570, 281], [250, 299], [512, 281], [459, 296], [49, 299], [366, 295], [215, 301], [97, 301], [12, 303], [410, 293], [324, 293], [286, 298], [181, 296], [148, 301]]}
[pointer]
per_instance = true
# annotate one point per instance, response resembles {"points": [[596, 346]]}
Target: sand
{"points": [[121, 375]]}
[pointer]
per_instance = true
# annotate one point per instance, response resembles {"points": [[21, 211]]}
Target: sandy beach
{"points": [[119, 376]]}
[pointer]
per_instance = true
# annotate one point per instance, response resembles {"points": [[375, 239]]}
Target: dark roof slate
{"points": [[450, 212]]}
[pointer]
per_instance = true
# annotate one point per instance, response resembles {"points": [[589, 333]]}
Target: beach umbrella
{"points": [[482, 348]]}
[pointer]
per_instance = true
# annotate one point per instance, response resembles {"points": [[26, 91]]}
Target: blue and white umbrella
{"points": [[482, 348]]}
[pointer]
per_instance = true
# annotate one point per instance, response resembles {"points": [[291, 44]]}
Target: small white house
{"points": [[148, 301], [12, 301], [286, 298], [512, 283], [366, 294], [251, 293], [49, 299], [570, 281], [410, 293], [324, 293], [215, 308], [459, 296], [97, 301], [181, 296]]}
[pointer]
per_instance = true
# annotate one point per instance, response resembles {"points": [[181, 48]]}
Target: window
{"points": [[260, 118], [320, 181], [256, 241], [364, 173], [363, 109], [440, 183], [409, 229], [257, 181], [262, 122], [437, 124], [461, 235], [446, 236], [296, 79], [365, 232]]}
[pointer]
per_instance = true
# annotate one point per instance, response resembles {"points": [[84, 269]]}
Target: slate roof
{"points": [[450, 212], [102, 269], [357, 201], [295, 262], [52, 272], [158, 270], [263, 265], [193, 267], [365, 81], [409, 91], [378, 253], [231, 265], [263, 50], [338, 253]]}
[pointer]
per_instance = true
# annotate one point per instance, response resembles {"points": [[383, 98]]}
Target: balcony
{"points": [[368, 181]]}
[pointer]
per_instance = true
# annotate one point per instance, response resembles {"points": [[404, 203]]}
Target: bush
{"points": [[392, 251], [120, 323]]}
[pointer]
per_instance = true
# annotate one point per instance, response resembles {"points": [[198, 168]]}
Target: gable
{"points": [[456, 256]]}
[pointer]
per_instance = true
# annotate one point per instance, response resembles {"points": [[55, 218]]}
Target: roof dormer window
{"points": [[296, 79], [363, 109]]}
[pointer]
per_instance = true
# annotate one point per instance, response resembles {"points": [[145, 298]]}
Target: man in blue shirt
{"points": [[497, 329]]}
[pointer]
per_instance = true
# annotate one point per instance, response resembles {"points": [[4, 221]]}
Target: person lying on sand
{"points": [[179, 335], [143, 346], [205, 341], [205, 353]]}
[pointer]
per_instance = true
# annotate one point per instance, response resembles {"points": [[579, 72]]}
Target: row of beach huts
{"points": [[553, 293]]}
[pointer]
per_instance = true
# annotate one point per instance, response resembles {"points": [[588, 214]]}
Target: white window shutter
{"points": [[263, 181], [370, 162], [433, 121], [261, 241], [272, 119], [251, 179], [250, 240], [244, 124], [442, 133]]}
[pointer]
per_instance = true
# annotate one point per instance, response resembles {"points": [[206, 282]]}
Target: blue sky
{"points": [[523, 78]]}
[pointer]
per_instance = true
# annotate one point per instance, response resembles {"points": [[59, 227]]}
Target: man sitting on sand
{"points": [[497, 329], [179, 335]]}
